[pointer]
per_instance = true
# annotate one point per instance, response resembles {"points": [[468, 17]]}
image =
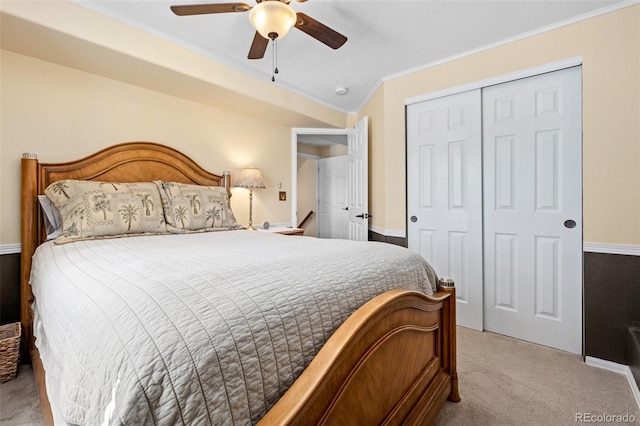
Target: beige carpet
{"points": [[503, 381], [19, 404]]}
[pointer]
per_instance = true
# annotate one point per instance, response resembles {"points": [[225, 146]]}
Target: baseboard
{"points": [[612, 248], [388, 232], [10, 249], [616, 368]]}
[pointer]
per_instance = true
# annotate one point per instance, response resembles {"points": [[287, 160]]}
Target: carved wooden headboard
{"points": [[127, 162]]}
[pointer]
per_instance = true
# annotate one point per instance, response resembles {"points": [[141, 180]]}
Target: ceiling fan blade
{"points": [[319, 31], [258, 47], [202, 9]]}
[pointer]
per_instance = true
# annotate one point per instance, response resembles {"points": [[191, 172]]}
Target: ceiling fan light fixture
{"points": [[272, 18]]}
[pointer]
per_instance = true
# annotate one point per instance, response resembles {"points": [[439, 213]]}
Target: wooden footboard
{"points": [[391, 362]]}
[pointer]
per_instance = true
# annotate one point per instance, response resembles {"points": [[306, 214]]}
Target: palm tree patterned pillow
{"points": [[196, 208], [91, 209]]}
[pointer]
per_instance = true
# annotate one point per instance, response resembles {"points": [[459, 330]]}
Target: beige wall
{"points": [[334, 150], [309, 149], [63, 114], [610, 49], [375, 110]]}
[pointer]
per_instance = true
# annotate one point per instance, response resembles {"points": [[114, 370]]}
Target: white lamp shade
{"points": [[272, 18], [250, 178]]}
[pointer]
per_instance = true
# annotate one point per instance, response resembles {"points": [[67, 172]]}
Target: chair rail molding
{"points": [[630, 250], [10, 249]]}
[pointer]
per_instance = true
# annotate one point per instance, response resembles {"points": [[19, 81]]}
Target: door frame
{"points": [[295, 132], [479, 84]]}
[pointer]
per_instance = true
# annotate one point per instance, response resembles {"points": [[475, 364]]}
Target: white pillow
{"points": [[51, 216]]}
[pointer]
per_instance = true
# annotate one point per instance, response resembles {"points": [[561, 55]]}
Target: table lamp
{"points": [[250, 178]]}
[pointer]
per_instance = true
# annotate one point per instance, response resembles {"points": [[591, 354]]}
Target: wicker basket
{"points": [[9, 351]]}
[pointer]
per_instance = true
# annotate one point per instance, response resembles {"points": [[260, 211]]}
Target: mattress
{"points": [[201, 328]]}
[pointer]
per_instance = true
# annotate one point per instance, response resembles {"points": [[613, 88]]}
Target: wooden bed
{"points": [[393, 361]]}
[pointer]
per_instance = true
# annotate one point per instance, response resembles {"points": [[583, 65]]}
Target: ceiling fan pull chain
{"points": [[274, 58], [276, 46]]}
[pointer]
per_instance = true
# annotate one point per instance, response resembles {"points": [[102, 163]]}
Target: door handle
{"points": [[569, 223], [414, 219], [363, 216]]}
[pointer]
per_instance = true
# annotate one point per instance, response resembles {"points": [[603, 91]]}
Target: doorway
{"points": [[322, 185], [340, 185]]}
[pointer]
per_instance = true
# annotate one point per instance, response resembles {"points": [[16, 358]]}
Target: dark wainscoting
{"points": [[9, 288], [399, 241], [611, 304]]}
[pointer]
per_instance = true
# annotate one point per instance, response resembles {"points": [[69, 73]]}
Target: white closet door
{"points": [[444, 187], [533, 209], [333, 197]]}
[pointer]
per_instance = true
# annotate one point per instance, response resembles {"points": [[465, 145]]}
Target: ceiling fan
{"points": [[272, 20]]}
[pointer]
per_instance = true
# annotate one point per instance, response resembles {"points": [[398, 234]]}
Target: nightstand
{"points": [[285, 231]]}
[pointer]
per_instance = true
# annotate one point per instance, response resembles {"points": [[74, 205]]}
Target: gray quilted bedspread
{"points": [[203, 328]]}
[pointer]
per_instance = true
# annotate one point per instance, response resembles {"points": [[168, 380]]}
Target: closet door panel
{"points": [[444, 187], [532, 139]]}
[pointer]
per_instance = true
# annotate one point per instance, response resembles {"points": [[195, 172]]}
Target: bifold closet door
{"points": [[532, 154], [444, 194]]}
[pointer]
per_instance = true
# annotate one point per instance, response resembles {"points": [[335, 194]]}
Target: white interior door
{"points": [[533, 209], [444, 187], [358, 159], [333, 197]]}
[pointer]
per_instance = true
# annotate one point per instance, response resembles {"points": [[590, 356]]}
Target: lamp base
{"points": [[251, 228]]}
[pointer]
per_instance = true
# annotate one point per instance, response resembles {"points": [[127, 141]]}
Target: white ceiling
{"points": [[385, 38]]}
